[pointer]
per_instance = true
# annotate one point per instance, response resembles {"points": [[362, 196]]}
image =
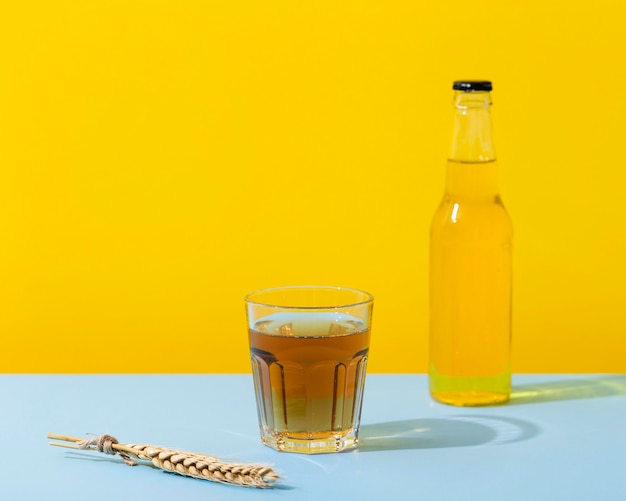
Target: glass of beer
{"points": [[309, 347]]}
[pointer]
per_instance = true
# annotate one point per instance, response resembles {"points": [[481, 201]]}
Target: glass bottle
{"points": [[471, 265]]}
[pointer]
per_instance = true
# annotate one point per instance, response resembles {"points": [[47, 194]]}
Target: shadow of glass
{"points": [[457, 431], [571, 389]]}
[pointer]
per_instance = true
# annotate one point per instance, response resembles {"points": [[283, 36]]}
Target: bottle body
{"points": [[470, 276]]}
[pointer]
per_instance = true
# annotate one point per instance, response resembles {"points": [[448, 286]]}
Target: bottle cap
{"points": [[472, 85]]}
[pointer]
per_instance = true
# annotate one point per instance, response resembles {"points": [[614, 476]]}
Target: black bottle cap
{"points": [[472, 85]]}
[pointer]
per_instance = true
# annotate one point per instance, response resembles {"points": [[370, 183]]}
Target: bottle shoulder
{"points": [[472, 218], [488, 202]]}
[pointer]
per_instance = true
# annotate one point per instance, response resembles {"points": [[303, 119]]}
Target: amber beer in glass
{"points": [[309, 349]]}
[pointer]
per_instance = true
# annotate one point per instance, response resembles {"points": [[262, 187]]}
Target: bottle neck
{"points": [[471, 171], [471, 140], [472, 180]]}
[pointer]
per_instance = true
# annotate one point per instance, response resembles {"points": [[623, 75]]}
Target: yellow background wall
{"points": [[159, 159]]}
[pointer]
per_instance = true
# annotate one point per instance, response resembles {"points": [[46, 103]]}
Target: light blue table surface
{"points": [[561, 438]]}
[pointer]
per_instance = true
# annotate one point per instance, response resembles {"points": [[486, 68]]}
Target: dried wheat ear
{"points": [[189, 464]]}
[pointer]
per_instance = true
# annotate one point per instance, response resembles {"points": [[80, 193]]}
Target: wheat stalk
{"points": [[189, 464]]}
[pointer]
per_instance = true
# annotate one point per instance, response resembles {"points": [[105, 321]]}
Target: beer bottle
{"points": [[470, 265]]}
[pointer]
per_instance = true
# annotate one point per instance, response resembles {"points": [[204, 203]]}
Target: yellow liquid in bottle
{"points": [[470, 289]]}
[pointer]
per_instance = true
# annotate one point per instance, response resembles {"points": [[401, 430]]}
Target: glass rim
{"points": [[369, 298]]}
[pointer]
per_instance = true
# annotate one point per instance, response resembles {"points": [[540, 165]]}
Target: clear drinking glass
{"points": [[309, 347]]}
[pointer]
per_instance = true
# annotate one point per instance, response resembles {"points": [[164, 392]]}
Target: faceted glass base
{"points": [[319, 444]]}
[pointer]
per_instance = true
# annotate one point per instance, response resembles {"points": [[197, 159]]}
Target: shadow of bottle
{"points": [[485, 430], [455, 431], [570, 389]]}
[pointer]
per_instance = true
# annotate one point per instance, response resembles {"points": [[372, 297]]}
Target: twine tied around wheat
{"points": [[189, 464]]}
